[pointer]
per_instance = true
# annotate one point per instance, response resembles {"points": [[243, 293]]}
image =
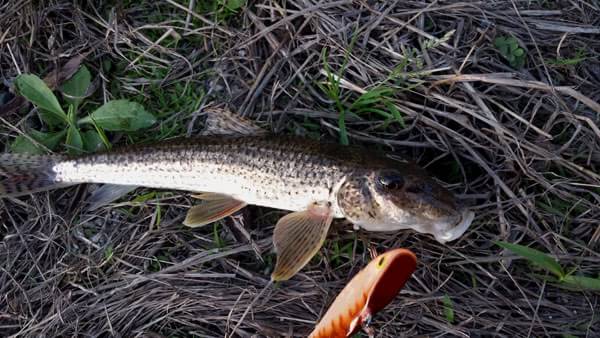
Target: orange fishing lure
{"points": [[368, 292]]}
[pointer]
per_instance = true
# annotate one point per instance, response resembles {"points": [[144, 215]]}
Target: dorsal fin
{"points": [[221, 121]]}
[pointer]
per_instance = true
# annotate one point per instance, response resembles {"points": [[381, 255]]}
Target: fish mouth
{"points": [[460, 228]]}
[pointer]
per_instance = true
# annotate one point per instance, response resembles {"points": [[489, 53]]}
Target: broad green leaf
{"points": [[50, 140], [76, 87], [448, 309], [535, 256], [74, 140], [121, 115], [582, 282], [22, 145], [92, 142], [51, 118], [36, 91]]}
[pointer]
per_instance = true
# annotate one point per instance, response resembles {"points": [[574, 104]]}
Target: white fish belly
{"points": [[251, 186]]}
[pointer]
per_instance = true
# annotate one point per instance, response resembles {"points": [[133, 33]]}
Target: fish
{"points": [[367, 293], [235, 163]]}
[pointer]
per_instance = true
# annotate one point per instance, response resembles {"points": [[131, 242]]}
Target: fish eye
{"points": [[391, 181]]}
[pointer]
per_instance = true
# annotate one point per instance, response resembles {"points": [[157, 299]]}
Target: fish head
{"points": [[388, 273], [394, 199]]}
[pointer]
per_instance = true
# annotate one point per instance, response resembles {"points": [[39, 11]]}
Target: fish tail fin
{"points": [[22, 174]]}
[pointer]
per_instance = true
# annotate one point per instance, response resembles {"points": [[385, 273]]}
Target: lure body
{"points": [[368, 292]]}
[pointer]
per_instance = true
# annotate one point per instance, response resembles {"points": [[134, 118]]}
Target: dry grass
{"points": [[520, 145]]}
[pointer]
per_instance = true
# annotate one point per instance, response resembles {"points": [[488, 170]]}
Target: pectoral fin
{"points": [[213, 208], [297, 238], [106, 194]]}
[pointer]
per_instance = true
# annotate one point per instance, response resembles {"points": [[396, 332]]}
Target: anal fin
{"points": [[213, 208], [298, 237]]}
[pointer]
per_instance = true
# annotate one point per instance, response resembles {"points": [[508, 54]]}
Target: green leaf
{"points": [[219, 242], [50, 140], [108, 253], [74, 140], [535, 256], [102, 135], [500, 41], [396, 113], [23, 145], [448, 309], [582, 282], [347, 249], [144, 197], [518, 52], [234, 5], [51, 118], [121, 115], [92, 142], [372, 96], [76, 87], [517, 62], [36, 91]]}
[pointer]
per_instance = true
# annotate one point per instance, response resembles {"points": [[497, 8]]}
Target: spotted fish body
{"points": [[368, 292], [314, 180], [278, 172]]}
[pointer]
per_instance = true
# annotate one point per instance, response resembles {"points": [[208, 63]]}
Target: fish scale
{"points": [[282, 173]]}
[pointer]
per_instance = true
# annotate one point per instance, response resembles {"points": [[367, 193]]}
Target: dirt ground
{"points": [[497, 99]]}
